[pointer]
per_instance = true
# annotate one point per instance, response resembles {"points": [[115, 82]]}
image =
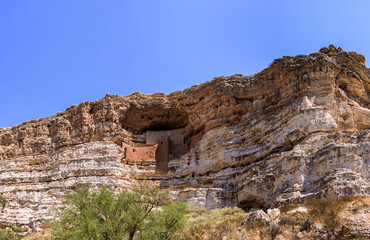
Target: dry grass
{"points": [[222, 223], [325, 219]]}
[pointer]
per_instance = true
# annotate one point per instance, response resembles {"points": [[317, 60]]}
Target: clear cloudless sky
{"points": [[54, 54]]}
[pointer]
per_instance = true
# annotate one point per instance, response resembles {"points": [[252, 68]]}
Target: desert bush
{"points": [[213, 224], [323, 211], [9, 232], [2, 201], [297, 221], [323, 215], [326, 211], [271, 232], [101, 214]]}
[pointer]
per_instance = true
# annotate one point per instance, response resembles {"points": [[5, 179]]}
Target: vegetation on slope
{"points": [[8, 231], [143, 213], [147, 213]]}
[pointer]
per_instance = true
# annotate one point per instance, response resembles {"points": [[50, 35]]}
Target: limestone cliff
{"points": [[298, 129]]}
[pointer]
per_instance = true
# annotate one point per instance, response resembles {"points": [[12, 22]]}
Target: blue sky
{"points": [[54, 54]]}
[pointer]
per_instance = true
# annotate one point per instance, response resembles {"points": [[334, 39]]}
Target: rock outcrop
{"points": [[296, 130]]}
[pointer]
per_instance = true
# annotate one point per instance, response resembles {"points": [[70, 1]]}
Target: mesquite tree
{"points": [[141, 213]]}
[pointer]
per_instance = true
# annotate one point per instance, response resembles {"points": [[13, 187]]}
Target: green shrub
{"points": [[164, 224], [2, 201], [8, 234], [102, 215]]}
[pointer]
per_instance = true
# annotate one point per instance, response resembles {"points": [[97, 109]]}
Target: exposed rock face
{"points": [[257, 218], [299, 129]]}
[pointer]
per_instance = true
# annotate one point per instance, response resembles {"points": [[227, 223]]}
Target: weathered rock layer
{"points": [[299, 129]]}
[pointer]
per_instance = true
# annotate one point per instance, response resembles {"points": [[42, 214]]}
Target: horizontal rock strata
{"points": [[296, 130]]}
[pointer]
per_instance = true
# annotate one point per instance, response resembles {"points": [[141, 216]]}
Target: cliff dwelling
{"points": [[157, 147], [222, 143], [160, 134]]}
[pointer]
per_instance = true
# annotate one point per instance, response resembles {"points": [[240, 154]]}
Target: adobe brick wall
{"points": [[162, 146], [140, 154], [162, 154]]}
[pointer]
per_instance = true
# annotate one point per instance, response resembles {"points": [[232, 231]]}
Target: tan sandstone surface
{"points": [[299, 129]]}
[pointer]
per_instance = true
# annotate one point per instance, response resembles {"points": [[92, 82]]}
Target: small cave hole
{"points": [[343, 86], [251, 202]]}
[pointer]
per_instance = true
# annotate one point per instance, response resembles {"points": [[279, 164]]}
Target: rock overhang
{"points": [[281, 135]]}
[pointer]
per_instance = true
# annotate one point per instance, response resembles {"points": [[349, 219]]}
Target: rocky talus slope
{"points": [[297, 130]]}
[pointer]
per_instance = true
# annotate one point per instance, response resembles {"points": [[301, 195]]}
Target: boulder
{"points": [[257, 218]]}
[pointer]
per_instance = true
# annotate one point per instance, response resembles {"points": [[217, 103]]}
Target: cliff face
{"points": [[299, 129]]}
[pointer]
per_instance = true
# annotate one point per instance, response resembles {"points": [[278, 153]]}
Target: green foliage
{"points": [[8, 234], [164, 224], [102, 215], [2, 201]]}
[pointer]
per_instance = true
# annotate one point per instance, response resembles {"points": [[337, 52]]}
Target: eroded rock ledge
{"points": [[296, 130]]}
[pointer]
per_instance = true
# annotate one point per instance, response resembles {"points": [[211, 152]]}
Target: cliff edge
{"points": [[298, 130]]}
